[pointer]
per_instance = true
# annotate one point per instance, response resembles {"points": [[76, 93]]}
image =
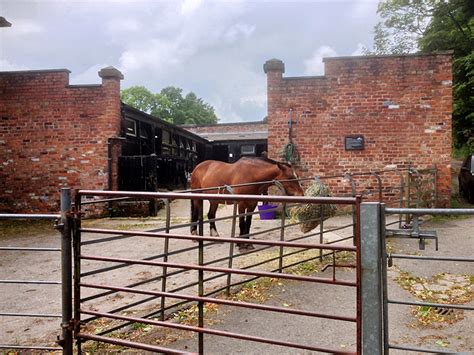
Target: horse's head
{"points": [[289, 180]]}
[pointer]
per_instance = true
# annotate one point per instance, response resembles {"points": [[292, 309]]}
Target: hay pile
{"points": [[310, 214]]}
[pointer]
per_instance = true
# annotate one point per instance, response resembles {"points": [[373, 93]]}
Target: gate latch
{"points": [[414, 232]]}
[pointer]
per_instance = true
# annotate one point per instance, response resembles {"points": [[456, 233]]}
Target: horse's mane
{"points": [[266, 160]]}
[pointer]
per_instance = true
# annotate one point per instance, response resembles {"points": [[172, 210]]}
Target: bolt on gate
{"points": [[90, 264]]}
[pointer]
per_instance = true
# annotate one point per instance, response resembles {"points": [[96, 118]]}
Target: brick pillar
{"points": [[274, 68], [111, 83], [115, 151]]}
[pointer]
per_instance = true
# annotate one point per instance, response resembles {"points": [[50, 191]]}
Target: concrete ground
{"points": [[456, 238]]}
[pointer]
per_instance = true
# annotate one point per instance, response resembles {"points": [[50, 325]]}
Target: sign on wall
{"points": [[355, 142]]}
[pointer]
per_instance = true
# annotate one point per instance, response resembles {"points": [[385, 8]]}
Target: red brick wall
{"points": [[352, 98], [53, 135]]}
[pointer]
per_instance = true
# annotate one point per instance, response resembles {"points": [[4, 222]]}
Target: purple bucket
{"points": [[265, 214]]}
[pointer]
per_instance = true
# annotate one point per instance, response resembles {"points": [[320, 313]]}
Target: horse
{"points": [[212, 173]]}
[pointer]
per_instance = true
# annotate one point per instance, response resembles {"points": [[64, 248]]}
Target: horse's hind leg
{"points": [[212, 215]]}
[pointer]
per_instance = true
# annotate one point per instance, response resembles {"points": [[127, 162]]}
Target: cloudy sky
{"points": [[213, 48]]}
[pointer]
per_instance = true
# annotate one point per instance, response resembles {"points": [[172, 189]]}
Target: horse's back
{"points": [[210, 173]]}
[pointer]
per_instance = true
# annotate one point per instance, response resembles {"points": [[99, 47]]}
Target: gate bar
{"points": [[32, 315], [221, 239], [371, 280], [421, 350], [20, 347], [221, 197], [29, 249], [32, 282], [66, 272], [439, 305], [221, 301], [131, 344], [223, 270], [29, 216], [430, 211], [435, 258]]}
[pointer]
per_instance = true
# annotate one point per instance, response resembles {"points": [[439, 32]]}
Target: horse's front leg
{"points": [[244, 225], [212, 215], [194, 216]]}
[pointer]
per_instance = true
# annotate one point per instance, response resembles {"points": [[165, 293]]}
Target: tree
{"points": [[434, 25], [170, 105]]}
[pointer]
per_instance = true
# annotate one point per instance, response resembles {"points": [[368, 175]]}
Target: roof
{"points": [[135, 113], [235, 136]]}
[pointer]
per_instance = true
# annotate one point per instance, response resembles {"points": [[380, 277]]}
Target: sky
{"points": [[214, 48]]}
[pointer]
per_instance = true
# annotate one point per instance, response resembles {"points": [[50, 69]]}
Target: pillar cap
{"points": [[274, 65], [110, 73]]}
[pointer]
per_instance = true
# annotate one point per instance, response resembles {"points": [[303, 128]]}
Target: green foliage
{"points": [[170, 105], [429, 26]]}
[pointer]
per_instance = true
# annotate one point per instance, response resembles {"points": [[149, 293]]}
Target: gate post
{"points": [[371, 278], [66, 271]]}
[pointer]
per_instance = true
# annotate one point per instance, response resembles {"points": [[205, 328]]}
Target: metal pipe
{"points": [[30, 282], [231, 247], [223, 270], [131, 344], [33, 315], [76, 243], [165, 257], [428, 304], [431, 211], [66, 272], [420, 350], [27, 347], [220, 197], [357, 239], [435, 258], [221, 239], [200, 294], [282, 237], [29, 216], [28, 249]]}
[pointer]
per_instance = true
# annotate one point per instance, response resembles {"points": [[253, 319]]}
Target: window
{"points": [[144, 131], [130, 127], [247, 149]]}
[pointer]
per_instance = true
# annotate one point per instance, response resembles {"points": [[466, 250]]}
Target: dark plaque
{"points": [[354, 142]]}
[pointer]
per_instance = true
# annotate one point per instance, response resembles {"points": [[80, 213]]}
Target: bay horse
{"points": [[212, 173]]}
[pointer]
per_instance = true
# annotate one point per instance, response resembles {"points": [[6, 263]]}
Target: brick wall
{"points": [[53, 135], [239, 127], [401, 105]]}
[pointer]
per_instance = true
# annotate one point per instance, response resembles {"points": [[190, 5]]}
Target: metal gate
{"points": [[377, 340], [89, 264], [64, 294]]}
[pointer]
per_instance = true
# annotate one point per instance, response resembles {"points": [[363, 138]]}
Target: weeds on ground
{"points": [[442, 288]]}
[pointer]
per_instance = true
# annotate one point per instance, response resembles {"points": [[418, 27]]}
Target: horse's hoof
{"points": [[194, 232], [214, 233], [245, 247]]}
